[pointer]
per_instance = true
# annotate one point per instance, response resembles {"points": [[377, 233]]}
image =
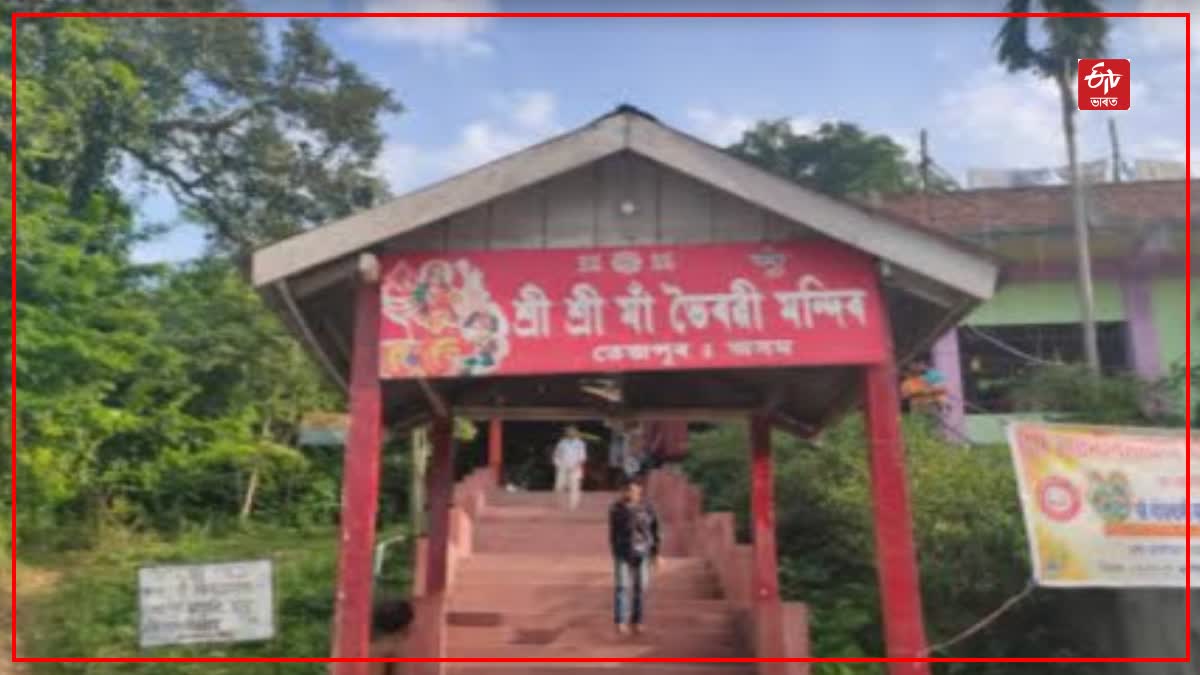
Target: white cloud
{"points": [[721, 129], [1161, 34], [450, 35], [718, 128], [520, 119], [1007, 120], [533, 110], [911, 142], [1163, 148]]}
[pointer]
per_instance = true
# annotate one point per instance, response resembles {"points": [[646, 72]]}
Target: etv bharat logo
{"points": [[1103, 84]]}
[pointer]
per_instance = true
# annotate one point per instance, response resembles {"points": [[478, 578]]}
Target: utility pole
{"points": [[924, 166], [924, 161], [1116, 149]]}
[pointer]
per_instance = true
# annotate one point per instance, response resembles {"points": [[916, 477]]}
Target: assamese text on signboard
{"points": [[196, 604], [1105, 506], [510, 312]]}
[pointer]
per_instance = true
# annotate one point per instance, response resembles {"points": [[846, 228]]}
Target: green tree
{"points": [[255, 140], [1068, 39], [838, 158], [152, 395], [969, 534]]}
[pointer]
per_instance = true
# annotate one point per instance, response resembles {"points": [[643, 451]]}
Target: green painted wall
{"points": [[1046, 302], [989, 429], [1056, 302], [1170, 320]]}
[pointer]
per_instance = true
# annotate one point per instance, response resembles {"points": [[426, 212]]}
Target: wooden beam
{"points": [[339, 342], [440, 491], [360, 490], [296, 318], [895, 550], [323, 277], [496, 449], [911, 282], [934, 256], [490, 181], [436, 401], [765, 576], [583, 414]]}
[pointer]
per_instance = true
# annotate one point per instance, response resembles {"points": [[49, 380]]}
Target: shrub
{"points": [[92, 610], [969, 536]]}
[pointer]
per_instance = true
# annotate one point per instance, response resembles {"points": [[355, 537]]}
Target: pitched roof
{"points": [[1133, 205], [627, 129]]}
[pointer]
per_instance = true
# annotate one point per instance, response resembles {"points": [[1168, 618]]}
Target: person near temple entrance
{"points": [[634, 539], [923, 389], [618, 449], [634, 465], [570, 455], [391, 622]]}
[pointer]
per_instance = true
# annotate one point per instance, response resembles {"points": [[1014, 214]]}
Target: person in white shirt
{"points": [[569, 457]]}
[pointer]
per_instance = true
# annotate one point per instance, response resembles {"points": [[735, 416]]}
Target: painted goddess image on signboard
{"points": [[452, 327]]}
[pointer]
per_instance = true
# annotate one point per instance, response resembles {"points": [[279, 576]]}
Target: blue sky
{"points": [[476, 89]]}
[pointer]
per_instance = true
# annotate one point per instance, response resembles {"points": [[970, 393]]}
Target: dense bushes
{"points": [[91, 611], [970, 541]]}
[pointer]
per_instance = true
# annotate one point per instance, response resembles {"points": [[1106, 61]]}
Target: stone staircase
{"points": [[529, 579], [539, 584]]}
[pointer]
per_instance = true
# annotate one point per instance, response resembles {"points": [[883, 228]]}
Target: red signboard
{"points": [[516, 312]]}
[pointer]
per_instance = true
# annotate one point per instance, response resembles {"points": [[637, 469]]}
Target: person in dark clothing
{"points": [[634, 539], [391, 619]]}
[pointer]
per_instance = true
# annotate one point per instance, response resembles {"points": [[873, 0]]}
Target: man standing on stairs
{"points": [[633, 537], [569, 457]]}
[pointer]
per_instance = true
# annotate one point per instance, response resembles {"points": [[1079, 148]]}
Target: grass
{"points": [[91, 611]]}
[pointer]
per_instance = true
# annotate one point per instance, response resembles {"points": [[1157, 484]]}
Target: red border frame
{"points": [[1186, 16]]}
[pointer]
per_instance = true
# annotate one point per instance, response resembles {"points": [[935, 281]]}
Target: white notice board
{"points": [[196, 604]]}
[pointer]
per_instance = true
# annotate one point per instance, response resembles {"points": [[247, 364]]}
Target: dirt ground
{"points": [[29, 580]]}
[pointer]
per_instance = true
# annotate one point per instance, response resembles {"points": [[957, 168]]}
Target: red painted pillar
{"points": [[895, 553], [762, 501], [441, 489], [360, 489], [496, 450]]}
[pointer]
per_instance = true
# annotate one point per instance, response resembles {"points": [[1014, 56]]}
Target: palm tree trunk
{"points": [[1083, 253]]}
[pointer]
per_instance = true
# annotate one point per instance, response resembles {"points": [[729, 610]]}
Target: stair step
{"points": [[587, 499], [670, 571], [603, 668], [539, 585], [649, 646], [584, 633], [544, 514], [583, 603], [566, 594], [558, 588], [598, 618], [548, 564]]}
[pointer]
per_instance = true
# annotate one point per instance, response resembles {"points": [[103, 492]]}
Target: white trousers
{"points": [[569, 480]]}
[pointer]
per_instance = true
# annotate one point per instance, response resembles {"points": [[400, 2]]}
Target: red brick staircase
{"points": [[530, 579]]}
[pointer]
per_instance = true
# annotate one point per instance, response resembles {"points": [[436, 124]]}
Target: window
{"points": [[994, 357]]}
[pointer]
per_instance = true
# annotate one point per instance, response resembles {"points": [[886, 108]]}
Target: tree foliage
{"points": [[256, 138], [1067, 39], [838, 158], [153, 396], [969, 535]]}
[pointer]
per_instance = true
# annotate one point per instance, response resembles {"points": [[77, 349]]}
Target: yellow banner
{"points": [[1106, 506]]}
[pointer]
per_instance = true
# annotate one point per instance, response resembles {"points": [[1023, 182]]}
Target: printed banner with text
{"points": [[1105, 506], [515, 312]]}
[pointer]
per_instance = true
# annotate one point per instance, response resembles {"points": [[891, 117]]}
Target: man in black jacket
{"points": [[634, 539]]}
